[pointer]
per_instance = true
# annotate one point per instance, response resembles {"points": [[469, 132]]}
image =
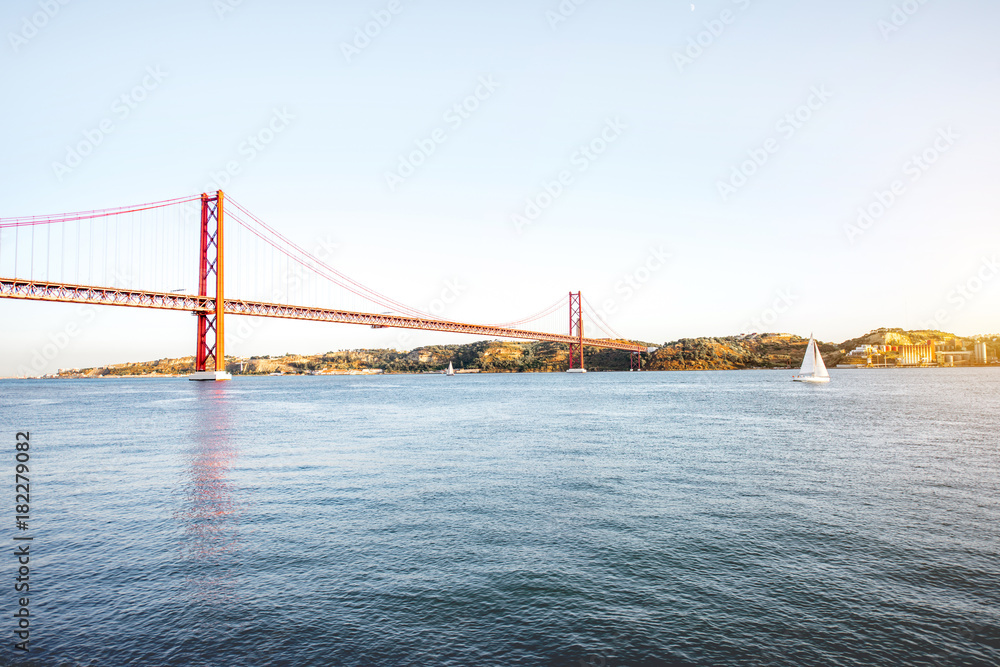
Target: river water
{"points": [[726, 518]]}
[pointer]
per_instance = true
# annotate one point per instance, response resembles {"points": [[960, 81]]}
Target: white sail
{"points": [[813, 369], [809, 360], [820, 368]]}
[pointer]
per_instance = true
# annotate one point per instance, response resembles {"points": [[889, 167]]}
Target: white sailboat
{"points": [[813, 369], [451, 369]]}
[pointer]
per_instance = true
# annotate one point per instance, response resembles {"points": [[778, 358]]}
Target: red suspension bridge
{"points": [[136, 256]]}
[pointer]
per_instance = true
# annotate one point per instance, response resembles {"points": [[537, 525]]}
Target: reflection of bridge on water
{"points": [[211, 545]]}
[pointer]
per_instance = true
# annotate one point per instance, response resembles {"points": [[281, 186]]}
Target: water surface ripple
{"points": [[607, 519]]}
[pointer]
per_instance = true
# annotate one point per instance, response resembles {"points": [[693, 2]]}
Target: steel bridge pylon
{"points": [[576, 331], [635, 361], [210, 353]]}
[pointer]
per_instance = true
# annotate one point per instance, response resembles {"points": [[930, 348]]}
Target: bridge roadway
{"points": [[19, 288]]}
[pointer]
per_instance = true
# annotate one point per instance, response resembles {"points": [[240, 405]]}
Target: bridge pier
{"points": [[210, 357], [635, 361], [576, 330], [210, 376]]}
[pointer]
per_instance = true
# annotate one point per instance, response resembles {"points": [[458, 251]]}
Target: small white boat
{"points": [[451, 369], [813, 369]]}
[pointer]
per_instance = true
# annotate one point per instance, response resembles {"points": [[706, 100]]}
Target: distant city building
{"points": [[980, 353], [915, 355], [952, 357], [872, 355]]}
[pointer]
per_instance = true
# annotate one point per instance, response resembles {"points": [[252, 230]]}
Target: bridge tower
{"points": [[576, 330], [635, 361], [210, 356]]}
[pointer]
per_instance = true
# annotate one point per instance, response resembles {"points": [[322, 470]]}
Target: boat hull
{"points": [[810, 379]]}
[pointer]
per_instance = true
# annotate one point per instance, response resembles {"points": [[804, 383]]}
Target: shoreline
{"points": [[379, 373]]}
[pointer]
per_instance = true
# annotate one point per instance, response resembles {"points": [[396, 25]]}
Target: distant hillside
{"points": [[896, 337], [769, 350], [484, 356], [764, 350]]}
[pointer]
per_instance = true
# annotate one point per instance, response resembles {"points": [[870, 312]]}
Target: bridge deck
{"points": [[68, 293]]}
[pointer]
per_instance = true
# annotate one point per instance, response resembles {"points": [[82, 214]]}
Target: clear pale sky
{"points": [[873, 83]]}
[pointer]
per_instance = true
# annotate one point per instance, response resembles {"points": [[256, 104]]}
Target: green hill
{"points": [[765, 350]]}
